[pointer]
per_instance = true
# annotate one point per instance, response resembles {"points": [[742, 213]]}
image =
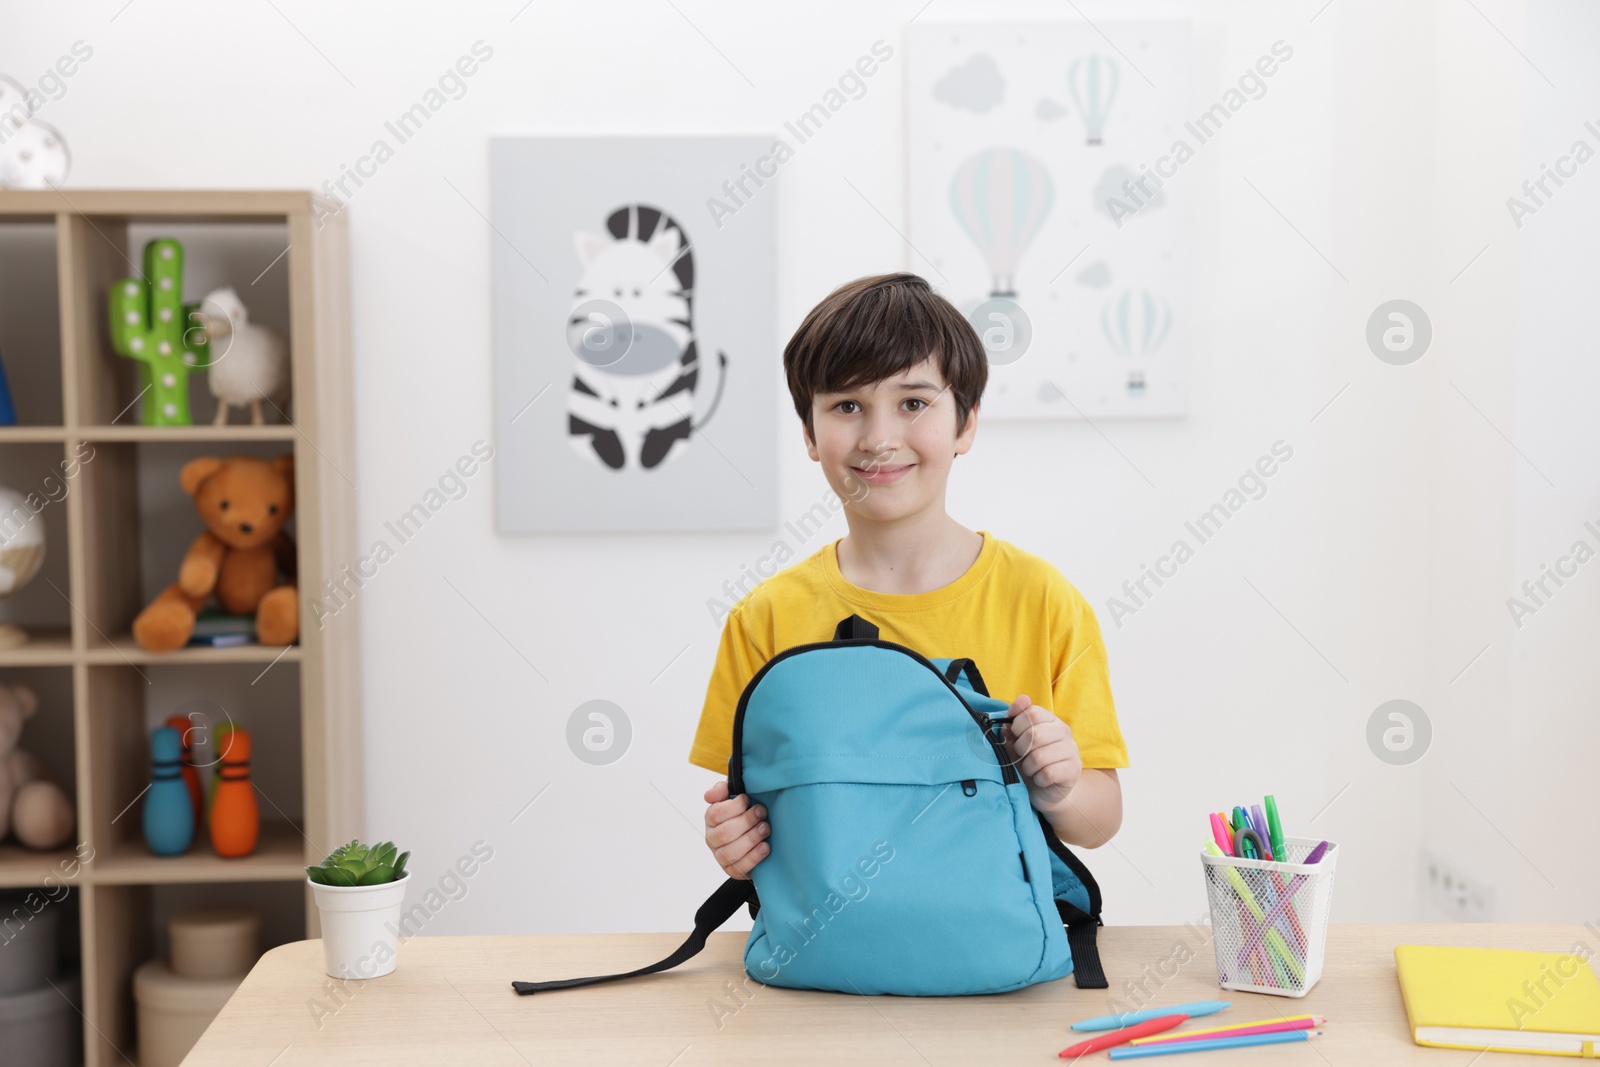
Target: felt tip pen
{"points": [[1128, 1018], [1219, 830], [1275, 829], [1112, 1038], [1259, 820]]}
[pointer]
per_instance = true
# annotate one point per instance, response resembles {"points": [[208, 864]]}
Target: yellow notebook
{"points": [[1507, 1001]]}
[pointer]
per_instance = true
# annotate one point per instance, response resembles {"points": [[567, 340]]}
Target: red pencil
{"points": [[1126, 1034]]}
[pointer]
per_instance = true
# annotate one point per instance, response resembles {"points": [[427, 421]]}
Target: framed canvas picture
{"points": [[1049, 202], [636, 357]]}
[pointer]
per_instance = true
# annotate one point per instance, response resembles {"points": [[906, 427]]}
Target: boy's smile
{"points": [[878, 474]]}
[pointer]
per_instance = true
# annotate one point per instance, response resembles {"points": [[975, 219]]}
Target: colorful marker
{"points": [[1219, 830], [1275, 829], [1128, 1018], [1259, 821], [1123, 1036]]}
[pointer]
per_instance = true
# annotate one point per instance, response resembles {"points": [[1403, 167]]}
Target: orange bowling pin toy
{"points": [[235, 817], [188, 731], [219, 743]]}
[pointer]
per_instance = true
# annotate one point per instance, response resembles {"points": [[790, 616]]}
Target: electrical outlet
{"points": [[1458, 896]]}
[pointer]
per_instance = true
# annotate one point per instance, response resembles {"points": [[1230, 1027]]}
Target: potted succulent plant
{"points": [[359, 890]]}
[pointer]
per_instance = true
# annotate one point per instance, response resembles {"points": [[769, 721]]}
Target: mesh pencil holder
{"points": [[1269, 919]]}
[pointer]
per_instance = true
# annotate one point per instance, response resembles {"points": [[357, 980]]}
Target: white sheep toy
{"points": [[249, 362]]}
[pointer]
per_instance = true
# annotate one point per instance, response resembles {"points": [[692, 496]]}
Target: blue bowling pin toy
{"points": [[168, 810]]}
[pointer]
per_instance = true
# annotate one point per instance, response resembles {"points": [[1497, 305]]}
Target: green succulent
{"points": [[358, 864]]}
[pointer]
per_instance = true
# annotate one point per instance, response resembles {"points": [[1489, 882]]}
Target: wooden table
{"points": [[450, 1002]]}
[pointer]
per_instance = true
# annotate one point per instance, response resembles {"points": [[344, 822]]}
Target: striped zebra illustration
{"points": [[637, 373]]}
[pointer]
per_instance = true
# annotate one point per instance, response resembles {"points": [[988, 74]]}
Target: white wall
{"points": [[1376, 566], [1548, 790]]}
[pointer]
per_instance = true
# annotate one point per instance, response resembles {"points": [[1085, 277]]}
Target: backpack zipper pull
{"points": [[970, 787]]}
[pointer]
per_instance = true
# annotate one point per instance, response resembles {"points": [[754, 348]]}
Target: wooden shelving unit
{"points": [[73, 392]]}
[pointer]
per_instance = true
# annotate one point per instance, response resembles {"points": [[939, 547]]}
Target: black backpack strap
{"points": [[855, 628], [1082, 926], [974, 679], [1087, 970], [718, 909]]}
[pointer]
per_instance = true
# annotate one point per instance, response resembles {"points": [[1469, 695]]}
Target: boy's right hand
{"points": [[736, 833]]}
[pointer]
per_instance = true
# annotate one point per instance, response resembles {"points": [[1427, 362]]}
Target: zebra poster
{"points": [[635, 334], [1050, 181]]}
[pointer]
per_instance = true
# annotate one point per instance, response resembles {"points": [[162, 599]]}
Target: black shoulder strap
{"points": [[1081, 932], [1082, 927], [717, 909], [974, 679], [855, 628]]}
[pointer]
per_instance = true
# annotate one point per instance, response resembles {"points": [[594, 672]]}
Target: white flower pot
{"points": [[360, 927]]}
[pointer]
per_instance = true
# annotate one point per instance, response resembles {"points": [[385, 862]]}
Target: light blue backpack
{"points": [[906, 857]]}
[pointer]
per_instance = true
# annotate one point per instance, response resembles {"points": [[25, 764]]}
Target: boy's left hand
{"points": [[1045, 754]]}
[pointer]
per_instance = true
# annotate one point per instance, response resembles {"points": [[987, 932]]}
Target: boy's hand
{"points": [[1045, 754], [735, 832]]}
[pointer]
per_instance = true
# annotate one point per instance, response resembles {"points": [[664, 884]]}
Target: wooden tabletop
{"points": [[450, 1002]]}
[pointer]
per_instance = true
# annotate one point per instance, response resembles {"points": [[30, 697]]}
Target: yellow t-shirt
{"points": [[1012, 613]]}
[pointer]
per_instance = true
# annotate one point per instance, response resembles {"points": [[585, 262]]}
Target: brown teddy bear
{"points": [[244, 501]]}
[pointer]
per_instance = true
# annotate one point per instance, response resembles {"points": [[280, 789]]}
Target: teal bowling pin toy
{"points": [[168, 810]]}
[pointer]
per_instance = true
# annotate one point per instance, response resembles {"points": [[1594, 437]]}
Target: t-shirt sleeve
{"points": [[739, 657], [1082, 686]]}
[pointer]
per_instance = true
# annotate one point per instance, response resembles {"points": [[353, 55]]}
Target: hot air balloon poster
{"points": [[635, 336], [1034, 208]]}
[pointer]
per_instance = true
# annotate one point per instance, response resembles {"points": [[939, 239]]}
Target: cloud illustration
{"points": [[974, 86], [1095, 275], [1110, 186]]}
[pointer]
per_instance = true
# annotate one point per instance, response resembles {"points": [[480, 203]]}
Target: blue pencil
{"points": [[1240, 1041]]}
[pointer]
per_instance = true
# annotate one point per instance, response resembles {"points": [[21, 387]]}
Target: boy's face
{"points": [[887, 447]]}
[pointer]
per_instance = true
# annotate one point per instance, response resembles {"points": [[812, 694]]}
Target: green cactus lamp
{"points": [[150, 323]]}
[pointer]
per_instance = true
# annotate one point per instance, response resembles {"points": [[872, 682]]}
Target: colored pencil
{"points": [[1264, 1026], [1216, 1043]]}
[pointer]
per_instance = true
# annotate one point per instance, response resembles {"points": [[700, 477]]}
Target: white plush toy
{"points": [[32, 806], [249, 362]]}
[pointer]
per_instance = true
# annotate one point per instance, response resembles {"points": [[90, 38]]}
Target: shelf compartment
{"points": [[133, 486], [30, 322], [130, 923], [45, 476], [50, 734], [248, 255], [125, 703]]}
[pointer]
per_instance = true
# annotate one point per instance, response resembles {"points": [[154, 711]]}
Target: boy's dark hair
{"points": [[876, 327]]}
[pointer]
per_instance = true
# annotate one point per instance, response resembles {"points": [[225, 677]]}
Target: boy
{"points": [[886, 377]]}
